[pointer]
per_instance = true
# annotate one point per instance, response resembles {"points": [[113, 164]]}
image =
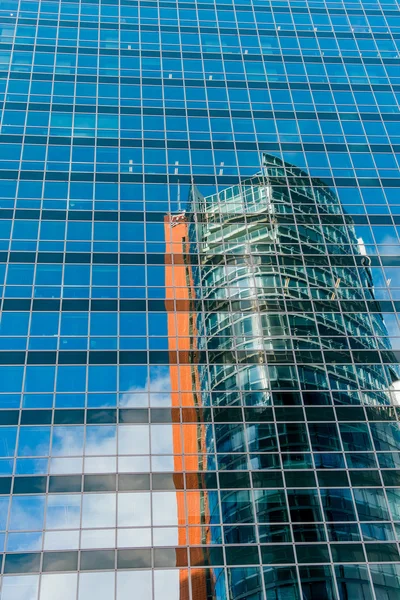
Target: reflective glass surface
{"points": [[200, 298]]}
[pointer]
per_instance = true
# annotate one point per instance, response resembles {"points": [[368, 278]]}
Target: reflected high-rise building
{"points": [[276, 309], [282, 275], [189, 444]]}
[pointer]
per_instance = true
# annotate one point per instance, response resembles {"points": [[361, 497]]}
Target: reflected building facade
{"points": [[279, 251], [189, 447], [276, 307]]}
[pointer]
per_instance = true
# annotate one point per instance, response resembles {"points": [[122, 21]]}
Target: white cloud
{"points": [[134, 509], [61, 586], [157, 390], [132, 584], [91, 539], [68, 540], [133, 439], [99, 510], [131, 538], [165, 509], [101, 440], [162, 439], [20, 587], [98, 585], [166, 585]]}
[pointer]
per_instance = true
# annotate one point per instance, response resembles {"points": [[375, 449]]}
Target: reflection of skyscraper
{"points": [[284, 257], [188, 440], [288, 328]]}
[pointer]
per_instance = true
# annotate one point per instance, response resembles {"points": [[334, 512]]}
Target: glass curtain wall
{"points": [[200, 296]]}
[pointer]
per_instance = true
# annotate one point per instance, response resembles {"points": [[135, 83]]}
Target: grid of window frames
{"points": [[205, 404]]}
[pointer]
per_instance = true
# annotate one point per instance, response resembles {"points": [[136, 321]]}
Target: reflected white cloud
{"points": [[392, 326], [134, 464], [108, 464], [166, 585], [131, 538], [68, 540], [27, 512], [162, 439], [67, 441], [73, 452], [99, 510], [61, 586], [62, 466], [388, 244], [165, 510], [137, 512], [394, 391], [137, 584], [133, 439], [134, 509], [101, 440], [165, 536], [97, 538], [20, 587], [63, 511], [156, 391], [22, 542], [134, 583], [97, 585], [162, 464]]}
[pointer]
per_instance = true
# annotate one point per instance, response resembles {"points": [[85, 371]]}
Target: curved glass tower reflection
{"points": [[286, 318], [281, 253]]}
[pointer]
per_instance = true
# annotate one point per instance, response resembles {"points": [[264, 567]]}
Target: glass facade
{"points": [[200, 297]]}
